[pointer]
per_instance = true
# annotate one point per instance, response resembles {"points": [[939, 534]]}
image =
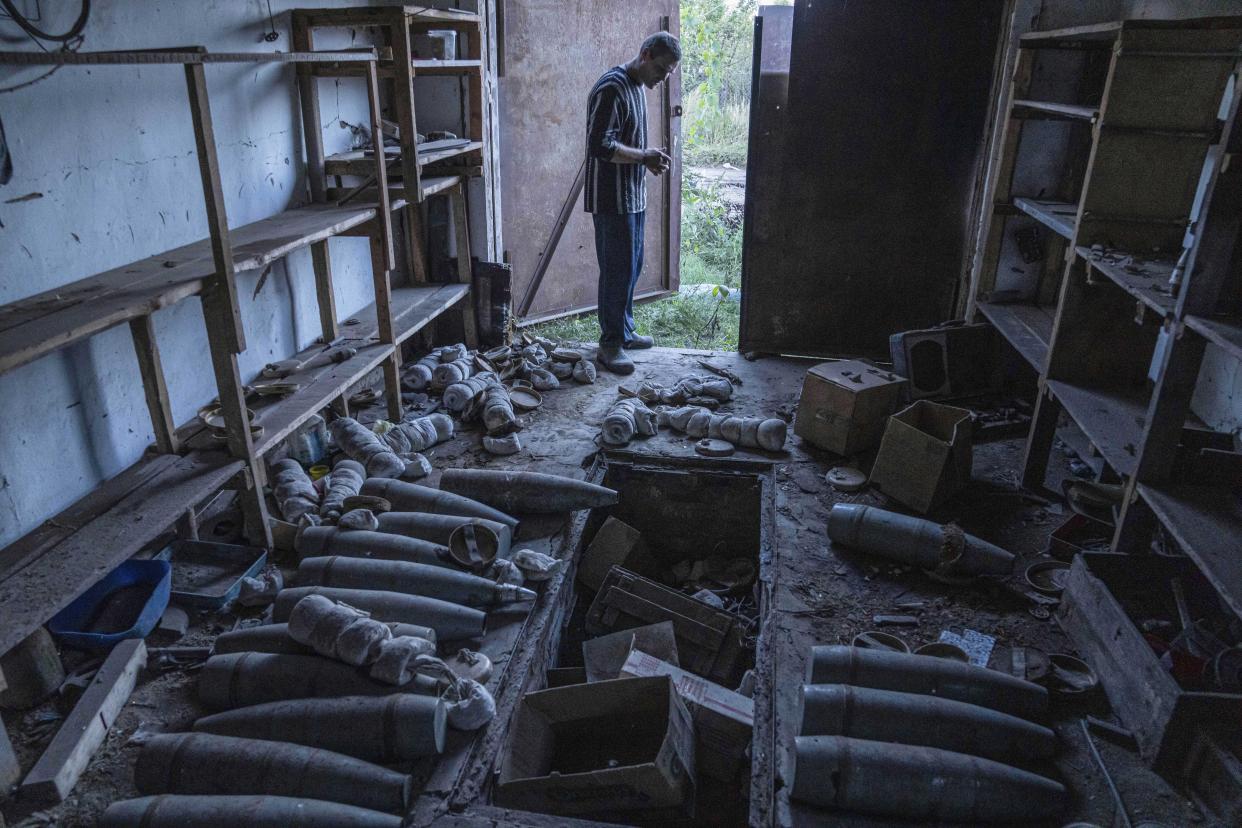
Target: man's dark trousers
{"points": [[619, 246]]}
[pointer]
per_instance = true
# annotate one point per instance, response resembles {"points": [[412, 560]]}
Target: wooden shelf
{"points": [[1145, 279], [40, 324], [1102, 34], [1113, 420], [1206, 521], [1054, 111], [355, 162], [446, 67], [412, 309], [1057, 216], [381, 15], [1028, 328], [1227, 333], [51, 566], [1094, 33], [422, 68], [396, 193]]}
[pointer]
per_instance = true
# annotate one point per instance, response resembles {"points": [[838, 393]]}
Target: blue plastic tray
{"points": [[72, 625], [208, 575]]}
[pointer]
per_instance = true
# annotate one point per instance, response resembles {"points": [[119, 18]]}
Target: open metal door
{"points": [[875, 155], [554, 51]]}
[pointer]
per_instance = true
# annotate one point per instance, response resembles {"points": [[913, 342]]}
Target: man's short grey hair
{"points": [[661, 44]]}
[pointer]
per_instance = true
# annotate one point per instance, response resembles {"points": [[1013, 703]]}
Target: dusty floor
{"points": [[820, 595]]}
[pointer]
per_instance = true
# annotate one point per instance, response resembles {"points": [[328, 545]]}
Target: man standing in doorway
{"points": [[616, 192]]}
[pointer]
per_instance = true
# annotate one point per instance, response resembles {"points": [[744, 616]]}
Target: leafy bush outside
{"points": [[717, 42]]}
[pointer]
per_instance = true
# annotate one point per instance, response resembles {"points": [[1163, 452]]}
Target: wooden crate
{"points": [[709, 641], [1106, 599]]}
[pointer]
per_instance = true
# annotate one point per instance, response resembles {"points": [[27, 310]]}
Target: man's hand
{"points": [[656, 161]]}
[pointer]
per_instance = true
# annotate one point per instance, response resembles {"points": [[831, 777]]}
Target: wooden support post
{"points": [[387, 331], [383, 207], [1039, 443], [221, 312], [403, 100], [416, 242], [62, 764], [308, 92], [10, 768], [220, 291], [1136, 524], [152, 369], [322, 263], [465, 268]]}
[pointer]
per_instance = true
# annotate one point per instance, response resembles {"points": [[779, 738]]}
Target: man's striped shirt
{"points": [[616, 114]]}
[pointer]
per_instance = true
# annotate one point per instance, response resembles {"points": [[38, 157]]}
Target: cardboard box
{"points": [[844, 405], [925, 455], [616, 543], [723, 720], [620, 750], [605, 655]]}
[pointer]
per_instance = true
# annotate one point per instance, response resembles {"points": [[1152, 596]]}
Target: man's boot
{"points": [[638, 341], [615, 360]]}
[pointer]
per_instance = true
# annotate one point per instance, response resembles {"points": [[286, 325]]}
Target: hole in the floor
{"points": [[704, 526]]}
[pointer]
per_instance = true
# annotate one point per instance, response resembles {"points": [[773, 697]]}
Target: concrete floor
{"points": [[820, 595]]}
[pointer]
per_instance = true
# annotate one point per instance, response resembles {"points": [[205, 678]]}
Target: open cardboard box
{"points": [[925, 456], [619, 749]]}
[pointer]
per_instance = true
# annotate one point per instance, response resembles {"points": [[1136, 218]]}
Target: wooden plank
{"points": [[84, 730], [1226, 333], [387, 329], [1026, 108], [1095, 31], [554, 239], [1144, 279], [1057, 216], [222, 314], [192, 55], [384, 208], [308, 94], [413, 309], [396, 193], [381, 16], [1000, 183], [321, 261], [465, 265], [56, 529], [47, 584], [43, 323], [470, 68], [147, 350], [1027, 328], [490, 36], [220, 304], [403, 100], [1141, 692], [355, 162], [1112, 418]]}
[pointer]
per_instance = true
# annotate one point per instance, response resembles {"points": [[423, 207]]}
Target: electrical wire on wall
{"points": [[70, 41]]}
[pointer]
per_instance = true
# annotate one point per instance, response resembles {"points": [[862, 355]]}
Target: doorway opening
{"points": [[717, 41]]}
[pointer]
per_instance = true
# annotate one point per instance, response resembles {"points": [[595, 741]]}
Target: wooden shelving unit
{"points": [[1117, 341], [49, 567], [418, 170]]}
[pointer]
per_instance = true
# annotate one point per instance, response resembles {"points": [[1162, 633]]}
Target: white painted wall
{"points": [[111, 150]]}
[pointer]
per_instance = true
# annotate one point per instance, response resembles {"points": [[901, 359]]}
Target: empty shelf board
{"points": [[59, 317]]}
